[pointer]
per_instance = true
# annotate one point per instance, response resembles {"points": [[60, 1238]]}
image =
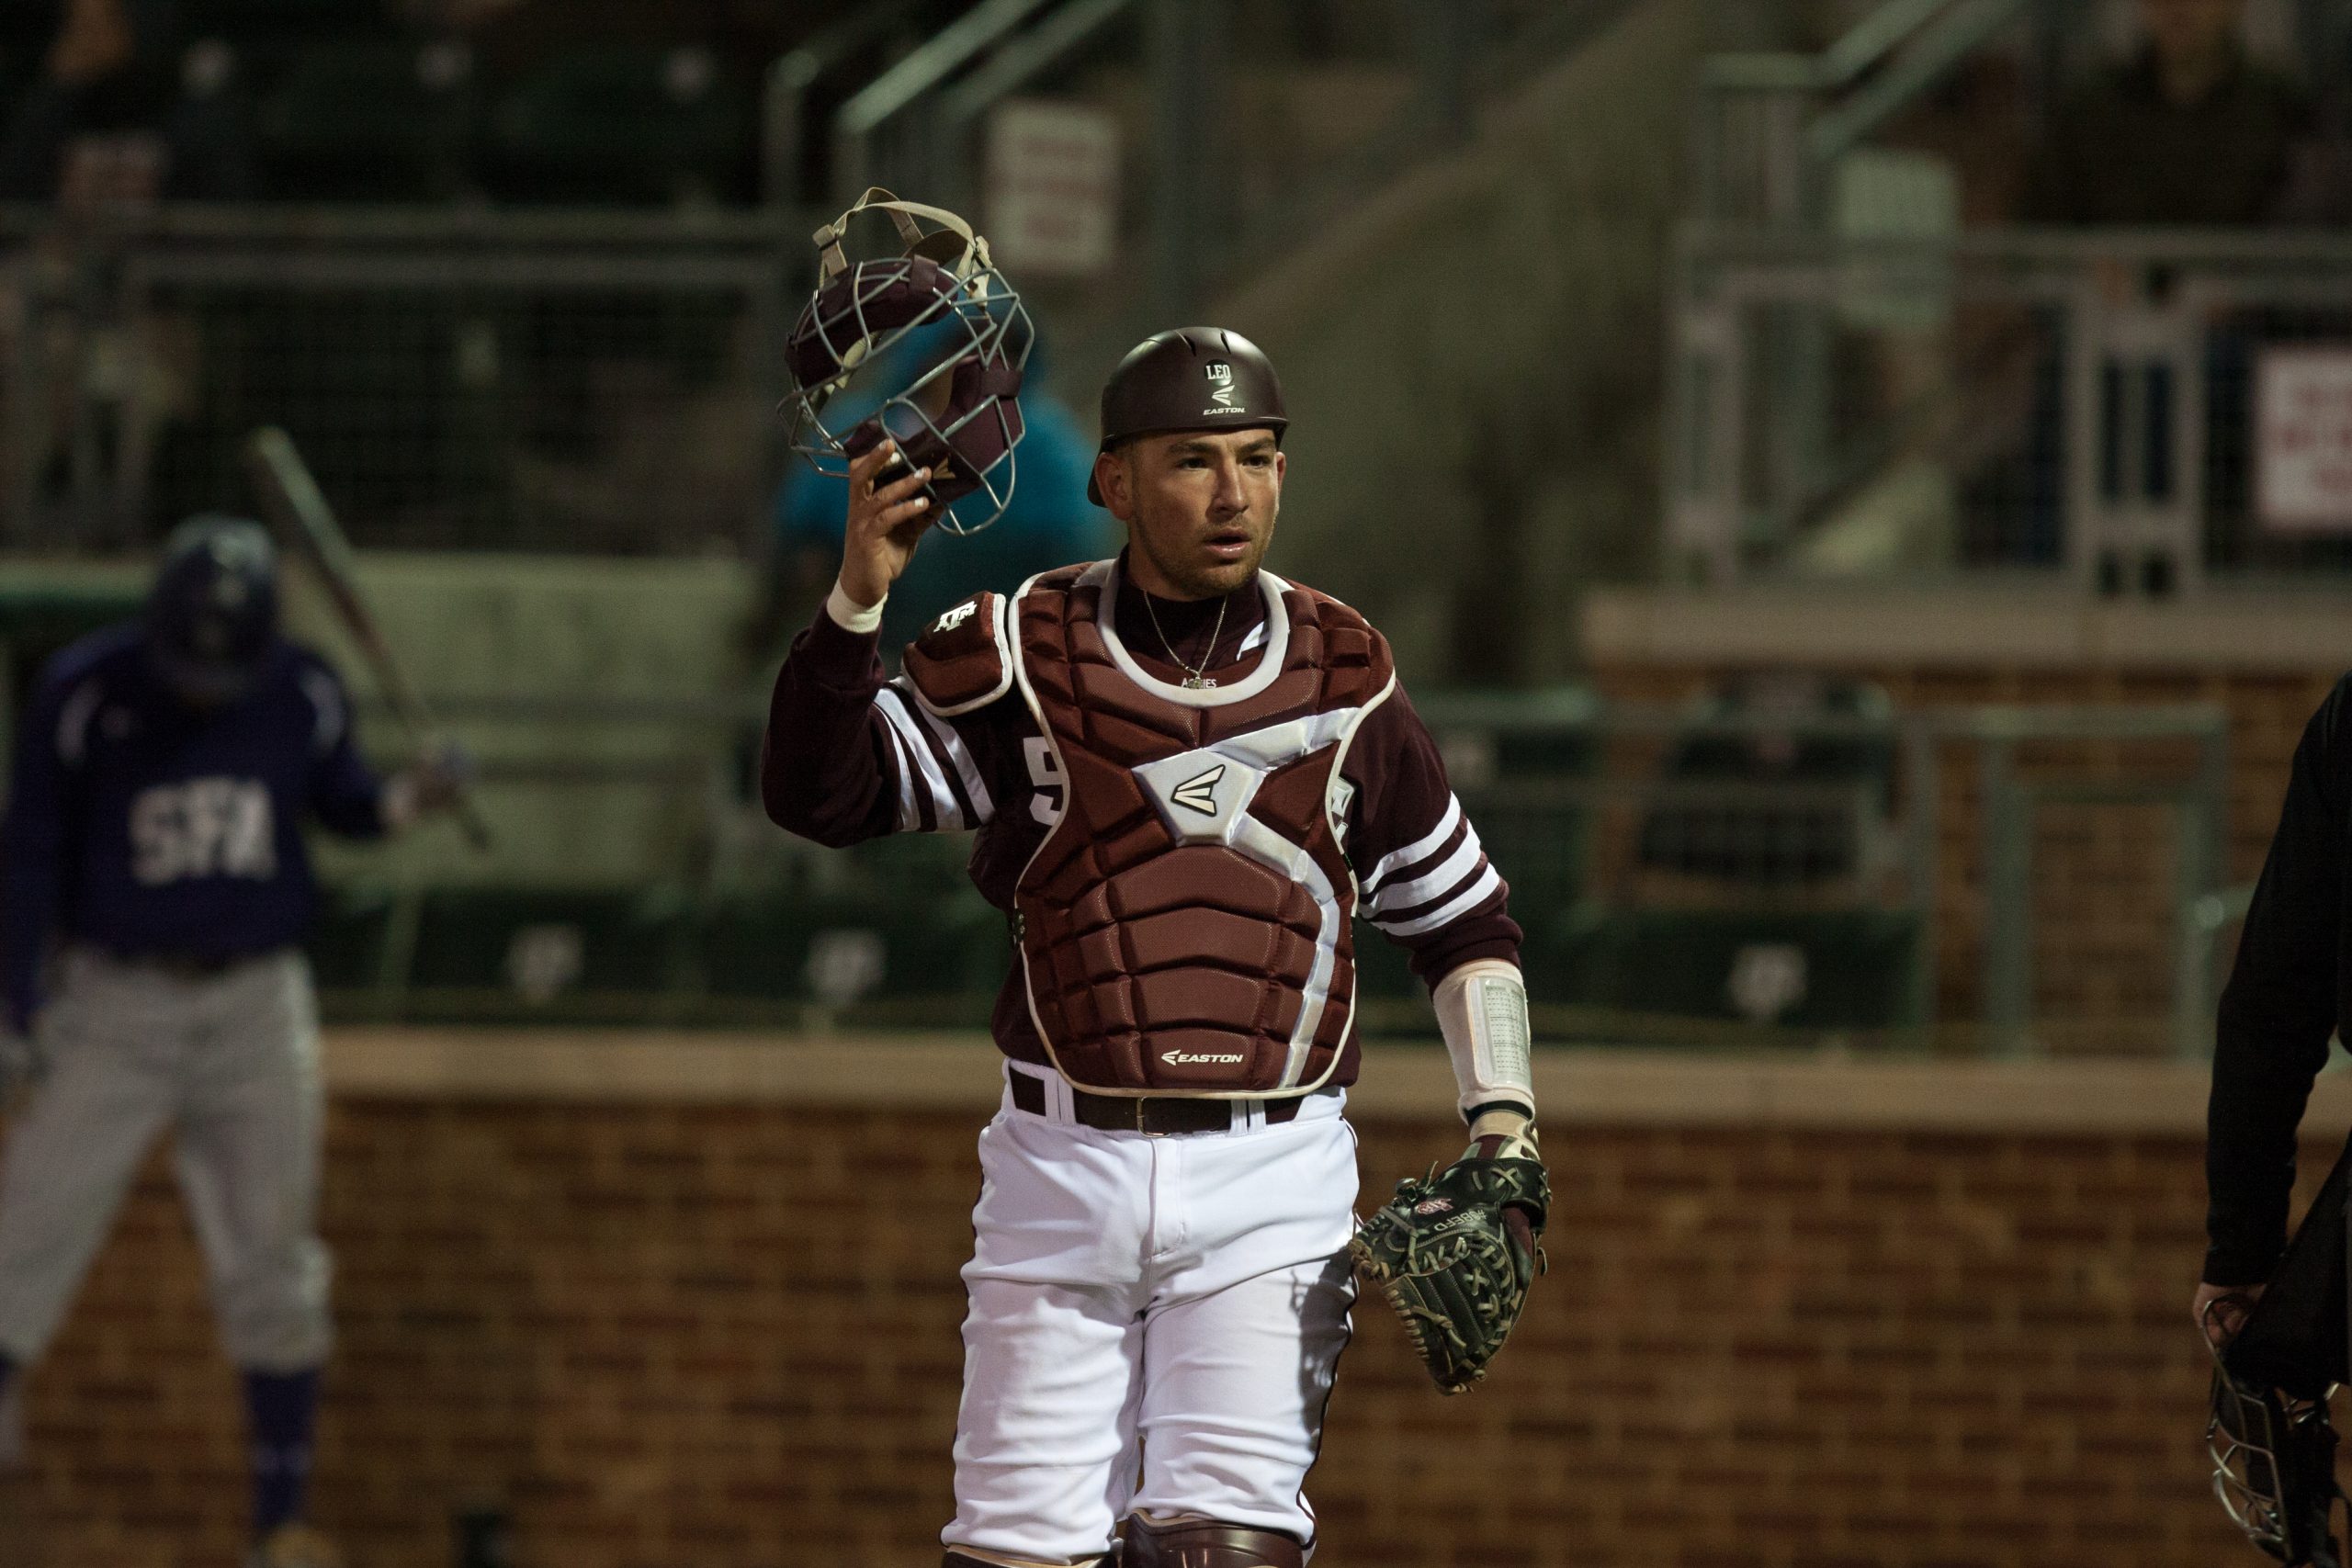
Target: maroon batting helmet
{"points": [[1190, 378]]}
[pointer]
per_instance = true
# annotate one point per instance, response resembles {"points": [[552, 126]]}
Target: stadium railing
{"points": [[2106, 409]]}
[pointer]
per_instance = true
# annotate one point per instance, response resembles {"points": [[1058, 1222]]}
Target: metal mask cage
{"points": [[2258, 1440], [2244, 1441], [992, 331]]}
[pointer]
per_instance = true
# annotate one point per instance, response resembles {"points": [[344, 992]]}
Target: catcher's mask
{"points": [[959, 415], [2274, 1462]]}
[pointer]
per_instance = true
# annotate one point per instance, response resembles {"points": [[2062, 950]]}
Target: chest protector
{"points": [[1186, 926]]}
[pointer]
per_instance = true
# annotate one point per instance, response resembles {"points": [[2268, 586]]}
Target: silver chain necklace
{"points": [[1194, 680]]}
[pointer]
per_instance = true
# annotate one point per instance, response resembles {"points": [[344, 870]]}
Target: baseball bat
{"points": [[299, 511]]}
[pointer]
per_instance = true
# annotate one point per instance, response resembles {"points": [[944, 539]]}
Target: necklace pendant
{"points": [[1199, 682]]}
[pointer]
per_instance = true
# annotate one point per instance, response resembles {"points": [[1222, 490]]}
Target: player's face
{"points": [[1199, 506]]}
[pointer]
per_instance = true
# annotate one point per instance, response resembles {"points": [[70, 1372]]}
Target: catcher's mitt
{"points": [[1454, 1256]]}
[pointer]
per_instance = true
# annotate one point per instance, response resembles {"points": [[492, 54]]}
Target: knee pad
{"points": [[1205, 1543]]}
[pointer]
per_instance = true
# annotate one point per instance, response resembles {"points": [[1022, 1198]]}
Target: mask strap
{"points": [[954, 246]]}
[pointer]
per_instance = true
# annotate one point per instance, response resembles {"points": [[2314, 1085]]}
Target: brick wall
{"points": [[719, 1336]]}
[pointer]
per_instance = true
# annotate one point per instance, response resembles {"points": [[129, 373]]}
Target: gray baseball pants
{"points": [[229, 1061]]}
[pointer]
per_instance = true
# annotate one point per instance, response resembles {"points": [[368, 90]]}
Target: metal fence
{"points": [[600, 383], [2055, 402]]}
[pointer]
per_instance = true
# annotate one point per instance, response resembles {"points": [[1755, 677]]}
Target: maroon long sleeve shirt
{"points": [[851, 755]]}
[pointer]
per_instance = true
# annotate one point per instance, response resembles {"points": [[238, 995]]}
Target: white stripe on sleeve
{"points": [[1436, 884], [1419, 850], [909, 819], [949, 746], [917, 746], [1475, 894]]}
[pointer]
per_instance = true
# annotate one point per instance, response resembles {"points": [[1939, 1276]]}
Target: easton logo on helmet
{"points": [[1220, 375]]}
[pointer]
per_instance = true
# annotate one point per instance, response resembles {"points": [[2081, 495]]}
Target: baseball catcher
{"points": [[1188, 778]]}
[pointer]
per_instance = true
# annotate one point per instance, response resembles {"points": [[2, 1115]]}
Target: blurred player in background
{"points": [[1188, 777], [154, 892]]}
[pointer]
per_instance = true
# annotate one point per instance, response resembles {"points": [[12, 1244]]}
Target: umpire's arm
{"points": [[2277, 1013]]}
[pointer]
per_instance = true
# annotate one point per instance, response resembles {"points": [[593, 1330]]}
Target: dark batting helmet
{"points": [[212, 615], [1190, 378]]}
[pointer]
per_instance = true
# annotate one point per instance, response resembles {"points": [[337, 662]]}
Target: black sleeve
{"points": [[2278, 1011]]}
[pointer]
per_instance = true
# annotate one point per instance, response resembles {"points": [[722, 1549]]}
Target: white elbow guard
{"points": [[1482, 1012]]}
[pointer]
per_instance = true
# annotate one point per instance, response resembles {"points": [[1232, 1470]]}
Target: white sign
{"points": [[2303, 417], [1053, 188]]}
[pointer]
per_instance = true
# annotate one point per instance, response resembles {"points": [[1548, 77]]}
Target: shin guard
{"points": [[1205, 1543]]}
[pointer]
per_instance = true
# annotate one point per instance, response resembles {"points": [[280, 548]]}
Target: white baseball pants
{"points": [[230, 1062], [1154, 1323]]}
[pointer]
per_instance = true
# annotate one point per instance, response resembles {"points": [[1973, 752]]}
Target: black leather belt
{"points": [[1162, 1114]]}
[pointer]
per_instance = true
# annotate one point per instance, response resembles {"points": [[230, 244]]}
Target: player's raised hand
{"points": [[885, 522]]}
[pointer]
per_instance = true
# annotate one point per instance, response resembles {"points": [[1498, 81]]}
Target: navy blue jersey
{"points": [[144, 826]]}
